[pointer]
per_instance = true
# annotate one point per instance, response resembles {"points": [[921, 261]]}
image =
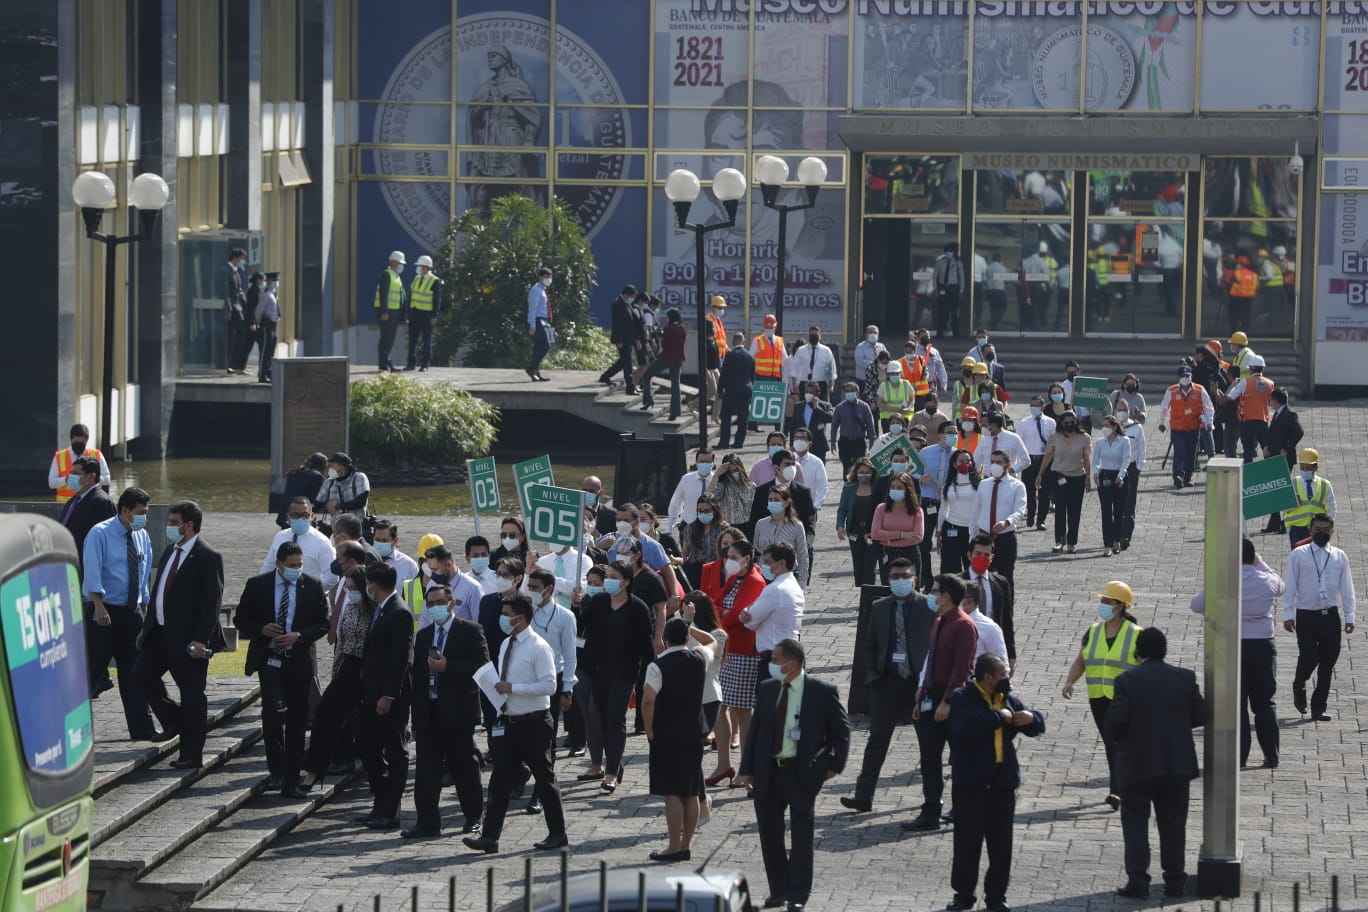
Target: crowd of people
{"points": [[686, 625]]}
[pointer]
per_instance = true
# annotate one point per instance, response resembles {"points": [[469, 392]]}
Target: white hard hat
{"points": [[424, 260], [1044, 247], [398, 257], [1254, 361], [1280, 251]]}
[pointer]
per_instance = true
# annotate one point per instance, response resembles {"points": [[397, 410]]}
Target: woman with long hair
{"points": [[784, 525], [513, 543], [855, 516], [733, 490], [959, 499], [332, 717], [899, 523], [741, 586], [701, 536]]}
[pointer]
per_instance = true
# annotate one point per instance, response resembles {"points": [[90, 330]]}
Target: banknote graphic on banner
{"points": [[1238, 41], [1342, 280], [1346, 59], [911, 56]]}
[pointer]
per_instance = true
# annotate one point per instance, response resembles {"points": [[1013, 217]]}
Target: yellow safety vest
{"points": [[420, 295], [899, 397], [1102, 663], [1239, 359], [64, 463], [415, 593], [1301, 514], [394, 300]]}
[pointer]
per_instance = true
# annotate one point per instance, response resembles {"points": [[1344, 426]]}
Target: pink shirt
{"points": [[897, 529]]}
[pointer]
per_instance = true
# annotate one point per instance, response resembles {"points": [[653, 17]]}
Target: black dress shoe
{"points": [[1299, 698], [470, 828], [948, 818], [1270, 763], [297, 792], [418, 832], [923, 823], [1321, 716], [579, 751], [481, 844], [997, 905], [670, 857], [959, 903], [275, 783], [1133, 890], [796, 907], [1175, 887], [855, 804], [774, 902], [558, 841], [383, 823], [181, 764], [106, 684], [534, 806]]}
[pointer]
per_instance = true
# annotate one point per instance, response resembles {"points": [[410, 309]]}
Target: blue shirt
{"points": [[106, 562], [652, 554], [536, 305], [936, 459], [293, 590]]}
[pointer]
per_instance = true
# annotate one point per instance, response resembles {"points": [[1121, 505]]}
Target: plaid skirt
{"points": [[737, 677]]}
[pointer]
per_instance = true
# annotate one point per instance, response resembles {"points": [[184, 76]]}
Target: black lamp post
{"points": [[94, 192], [682, 187], [771, 171]]}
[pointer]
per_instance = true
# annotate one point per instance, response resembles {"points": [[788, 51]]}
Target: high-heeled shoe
{"points": [[729, 773]]}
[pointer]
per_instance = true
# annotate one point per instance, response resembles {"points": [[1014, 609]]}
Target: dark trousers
{"points": [[661, 366], [190, 717], [924, 572], [623, 364], [955, 549], [118, 641], [284, 711], [1231, 438], [1111, 497], [1099, 705], [789, 872], [932, 737], [1005, 554], [1318, 649], [419, 334], [1130, 494], [384, 755], [389, 328], [1037, 502], [525, 742], [850, 449], [983, 815], [861, 563], [1169, 796], [889, 698], [266, 338], [334, 717], [239, 342], [887, 556], [948, 309], [541, 344], [736, 410], [1251, 432], [449, 750], [1185, 453], [588, 709], [611, 697], [1258, 684], [1068, 508]]}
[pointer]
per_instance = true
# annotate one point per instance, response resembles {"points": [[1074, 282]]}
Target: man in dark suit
{"points": [[799, 737], [812, 413], [88, 506], [624, 336], [181, 625], [894, 649], [985, 718], [282, 613], [801, 494], [235, 310], [1283, 434], [999, 595], [446, 709], [734, 387], [385, 692], [1153, 711]]}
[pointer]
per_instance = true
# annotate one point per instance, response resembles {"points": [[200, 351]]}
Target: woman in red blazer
{"points": [[741, 585]]}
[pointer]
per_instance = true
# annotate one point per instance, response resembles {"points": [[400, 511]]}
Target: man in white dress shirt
{"points": [[554, 623], [1000, 512], [477, 556], [1035, 433], [990, 637], [317, 547], [777, 614], [810, 467], [1319, 586], [812, 362], [996, 437], [692, 485], [387, 546]]}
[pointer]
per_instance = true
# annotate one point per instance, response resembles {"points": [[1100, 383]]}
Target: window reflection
{"points": [[1157, 194], [927, 242], [1134, 277], [1236, 255], [1253, 188], [1026, 275], [1020, 192], [911, 184]]}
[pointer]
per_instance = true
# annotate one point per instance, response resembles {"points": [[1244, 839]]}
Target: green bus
{"points": [[47, 757]]}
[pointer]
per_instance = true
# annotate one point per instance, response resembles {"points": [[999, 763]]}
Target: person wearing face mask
{"points": [[898, 629], [810, 448], [896, 398], [1130, 394], [898, 524], [556, 624], [631, 537], [1134, 432], [439, 569], [1110, 466], [1108, 650], [958, 504], [1253, 396], [700, 537], [267, 316], [855, 517], [540, 322], [598, 505], [481, 563], [965, 388], [853, 424], [763, 470], [788, 477], [997, 437], [385, 695], [319, 552], [812, 363], [1036, 432], [778, 611], [915, 371], [114, 599], [997, 373], [929, 417], [1000, 511], [509, 573], [513, 542], [332, 738], [896, 428], [935, 364], [391, 306], [587, 736], [1314, 494], [1071, 372], [735, 383], [281, 614], [867, 352], [387, 546], [769, 352], [810, 416], [235, 311], [741, 584], [985, 718], [980, 343], [1319, 584], [88, 506], [670, 362], [64, 460], [689, 489], [970, 431], [1055, 407], [948, 272], [1186, 408], [997, 593], [345, 490], [1284, 434], [1068, 457], [624, 337], [935, 457], [731, 487], [781, 524]]}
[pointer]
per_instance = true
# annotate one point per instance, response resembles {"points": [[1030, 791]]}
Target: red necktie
{"points": [[994, 449], [171, 577], [992, 505], [550, 314]]}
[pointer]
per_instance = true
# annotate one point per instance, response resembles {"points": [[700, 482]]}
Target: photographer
{"points": [[346, 490]]}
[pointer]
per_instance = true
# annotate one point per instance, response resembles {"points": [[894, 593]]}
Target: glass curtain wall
{"points": [[1021, 257], [1134, 273]]}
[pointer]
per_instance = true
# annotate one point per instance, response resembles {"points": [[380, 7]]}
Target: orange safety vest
{"points": [[719, 336], [1184, 416], [63, 457], [769, 357], [914, 372], [968, 443], [1245, 283], [1255, 402]]}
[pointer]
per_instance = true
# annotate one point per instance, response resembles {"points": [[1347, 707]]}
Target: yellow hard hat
{"points": [[1116, 591], [1239, 338], [968, 361], [1308, 456], [980, 367], [429, 540], [718, 301], [1263, 253]]}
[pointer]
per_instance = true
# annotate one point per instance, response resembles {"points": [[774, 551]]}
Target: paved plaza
{"points": [[1304, 822]]}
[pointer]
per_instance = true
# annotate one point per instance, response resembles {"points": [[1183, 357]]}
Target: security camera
{"points": [[1296, 164]]}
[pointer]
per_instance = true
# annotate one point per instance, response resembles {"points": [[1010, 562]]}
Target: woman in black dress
{"points": [[673, 707]]}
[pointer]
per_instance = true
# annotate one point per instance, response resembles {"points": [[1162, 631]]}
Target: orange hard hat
{"points": [[969, 412], [770, 321]]}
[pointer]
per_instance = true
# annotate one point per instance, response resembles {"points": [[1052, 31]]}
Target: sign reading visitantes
{"points": [[1267, 487]]}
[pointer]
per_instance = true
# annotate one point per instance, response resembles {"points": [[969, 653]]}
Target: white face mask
{"points": [[790, 473], [502, 584], [808, 397], [996, 470], [624, 527], [801, 445], [1184, 380], [968, 426], [510, 542], [546, 282], [332, 473], [732, 567]]}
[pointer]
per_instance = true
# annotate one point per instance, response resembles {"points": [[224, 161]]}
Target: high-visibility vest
{"points": [[969, 443], [1102, 663], [1319, 502], [719, 335], [394, 300], [1185, 407], [1240, 357], [64, 462], [962, 393], [1245, 283], [769, 357], [420, 295], [1274, 277], [914, 372], [898, 399], [415, 594], [1256, 401]]}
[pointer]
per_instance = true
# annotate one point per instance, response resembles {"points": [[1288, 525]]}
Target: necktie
{"points": [[283, 612], [900, 628], [812, 362], [70, 508], [296, 538], [171, 574], [563, 600], [134, 566], [1309, 494], [508, 654], [432, 676], [781, 719], [992, 505], [994, 449]]}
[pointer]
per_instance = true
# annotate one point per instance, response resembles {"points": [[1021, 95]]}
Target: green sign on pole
{"points": [[484, 485], [527, 474], [1090, 392], [883, 456], [554, 515], [1267, 487], [767, 402]]}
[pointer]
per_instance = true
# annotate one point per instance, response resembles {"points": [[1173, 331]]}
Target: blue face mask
{"points": [[1105, 612], [895, 495], [902, 588], [138, 523], [439, 613], [705, 518], [776, 672], [1308, 476], [704, 469], [774, 448], [767, 571], [292, 574], [590, 499], [612, 586], [591, 591], [775, 507], [949, 439], [895, 428], [506, 624], [850, 397], [173, 534], [1035, 411], [299, 526], [1056, 397], [479, 564], [353, 597], [384, 549]]}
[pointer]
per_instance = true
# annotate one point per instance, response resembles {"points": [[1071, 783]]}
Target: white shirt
{"points": [[566, 581], [58, 482], [813, 469], [778, 613], [1011, 504], [532, 672], [1135, 432], [405, 567], [1312, 570], [318, 551], [1007, 441], [1208, 410], [183, 549], [810, 362], [684, 500], [465, 593], [990, 637], [656, 680], [556, 625], [1035, 433], [980, 267], [959, 505], [486, 580], [939, 378]]}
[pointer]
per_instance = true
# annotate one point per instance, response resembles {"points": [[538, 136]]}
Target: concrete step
{"points": [[139, 793]]}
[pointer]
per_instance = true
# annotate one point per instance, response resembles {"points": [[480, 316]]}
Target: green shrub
{"points": [[581, 346], [397, 422]]}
